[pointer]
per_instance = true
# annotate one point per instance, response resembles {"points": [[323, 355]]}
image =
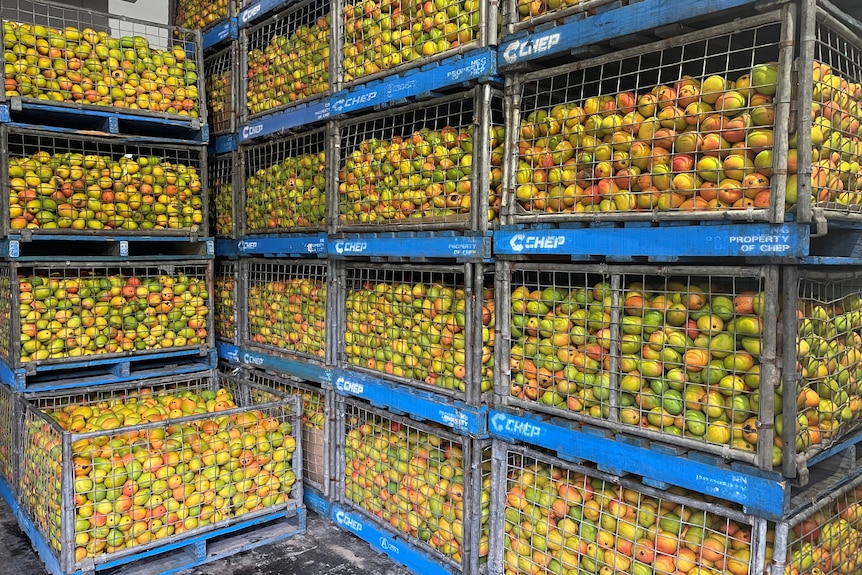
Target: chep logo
{"points": [[348, 386], [251, 12], [518, 49], [251, 130], [520, 242], [498, 422], [342, 247], [345, 520]]}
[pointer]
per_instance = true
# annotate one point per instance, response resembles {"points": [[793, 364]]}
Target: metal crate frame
{"points": [[469, 276], [289, 18], [275, 152], [512, 22], [288, 267], [28, 141], [228, 270], [488, 30], [499, 489], [290, 385], [224, 170], [824, 38], [246, 394], [59, 16], [474, 109], [233, 7], [224, 64], [8, 269], [777, 359], [473, 513]]}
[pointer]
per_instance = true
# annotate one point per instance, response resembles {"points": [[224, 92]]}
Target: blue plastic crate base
{"points": [[180, 555], [426, 81], [383, 541], [304, 114], [316, 501], [412, 246], [99, 370], [219, 32], [294, 245], [610, 26], [652, 241], [102, 119], [42, 247]]}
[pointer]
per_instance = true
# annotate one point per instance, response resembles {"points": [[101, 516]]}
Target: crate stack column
{"points": [[660, 291]]}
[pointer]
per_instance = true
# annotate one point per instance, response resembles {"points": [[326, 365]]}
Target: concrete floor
{"points": [[322, 550]]}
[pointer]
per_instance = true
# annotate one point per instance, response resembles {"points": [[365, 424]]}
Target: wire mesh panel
{"points": [[286, 306], [286, 58], [117, 471], [68, 312], [197, 15], [225, 289], [285, 184], [415, 167], [7, 300], [221, 194], [317, 419], [524, 14], [426, 326], [71, 55], [8, 432], [59, 183], [419, 480], [662, 130], [553, 516], [220, 78], [380, 37], [823, 537]]}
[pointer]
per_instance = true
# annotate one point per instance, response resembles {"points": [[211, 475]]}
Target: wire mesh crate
{"points": [[527, 14], [66, 55], [689, 356], [73, 311], [8, 460], [384, 38], [58, 183], [430, 327], [112, 472], [196, 15], [221, 71], [554, 516], [285, 58], [692, 127], [416, 167], [226, 290], [285, 184], [286, 306], [221, 193], [821, 537], [318, 417], [417, 480]]}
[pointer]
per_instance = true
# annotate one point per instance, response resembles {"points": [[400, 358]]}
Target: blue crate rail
{"points": [[181, 555], [478, 64], [579, 32], [219, 32], [308, 245], [101, 119], [316, 501], [622, 242], [94, 370], [400, 399], [46, 247], [224, 144], [412, 246], [395, 548]]}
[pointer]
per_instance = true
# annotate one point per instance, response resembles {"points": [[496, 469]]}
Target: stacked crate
{"points": [[673, 389], [113, 413]]}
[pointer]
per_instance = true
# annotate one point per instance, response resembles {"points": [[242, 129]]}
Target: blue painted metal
{"points": [[54, 377], [11, 246], [227, 351], [657, 242], [407, 245], [224, 144], [419, 404], [829, 261], [604, 26], [301, 368], [226, 248], [103, 119], [383, 541], [474, 65], [759, 495], [315, 501], [302, 114], [259, 9], [5, 116], [228, 29], [74, 132], [293, 246]]}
